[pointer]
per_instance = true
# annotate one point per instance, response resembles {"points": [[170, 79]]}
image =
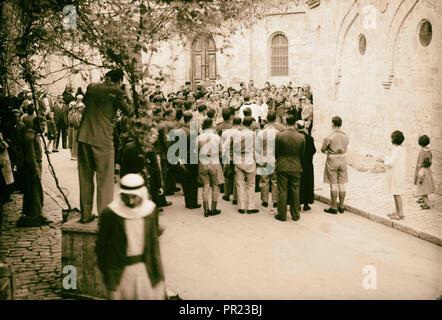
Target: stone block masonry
{"points": [[34, 252]]}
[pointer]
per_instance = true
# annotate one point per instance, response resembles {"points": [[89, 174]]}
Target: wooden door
{"points": [[203, 59]]}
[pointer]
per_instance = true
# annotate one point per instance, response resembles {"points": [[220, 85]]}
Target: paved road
{"points": [[233, 256]]}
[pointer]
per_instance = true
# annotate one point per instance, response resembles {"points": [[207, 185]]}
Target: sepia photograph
{"points": [[245, 151]]}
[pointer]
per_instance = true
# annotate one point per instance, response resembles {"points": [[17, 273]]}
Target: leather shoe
{"points": [[227, 198], [215, 212], [242, 211], [275, 204], [92, 218], [44, 221], [296, 218], [235, 202], [341, 210], [252, 211], [306, 207], [278, 218], [197, 206], [265, 204], [168, 203], [331, 211]]}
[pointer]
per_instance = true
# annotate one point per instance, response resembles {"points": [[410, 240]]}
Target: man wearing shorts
{"points": [[335, 172], [210, 172]]}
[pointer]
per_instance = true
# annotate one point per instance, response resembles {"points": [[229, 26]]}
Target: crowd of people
{"points": [[24, 123], [229, 141], [217, 117], [277, 121]]}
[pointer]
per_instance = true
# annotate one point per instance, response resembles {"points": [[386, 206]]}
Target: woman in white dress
{"points": [[396, 173]]}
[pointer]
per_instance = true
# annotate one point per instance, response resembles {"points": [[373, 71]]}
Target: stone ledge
{"points": [[381, 220], [75, 226], [428, 237], [406, 229], [385, 221], [357, 211]]}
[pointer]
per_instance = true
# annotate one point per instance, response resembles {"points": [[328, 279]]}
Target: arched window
{"points": [[425, 33], [279, 56], [362, 44]]}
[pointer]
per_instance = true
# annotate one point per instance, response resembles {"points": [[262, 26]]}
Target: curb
{"points": [[396, 225]]}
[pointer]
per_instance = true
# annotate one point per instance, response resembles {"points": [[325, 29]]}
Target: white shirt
{"points": [[264, 111], [209, 146], [256, 111], [227, 140]]}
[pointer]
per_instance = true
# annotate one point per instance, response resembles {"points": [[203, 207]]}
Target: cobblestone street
{"points": [[35, 253]]}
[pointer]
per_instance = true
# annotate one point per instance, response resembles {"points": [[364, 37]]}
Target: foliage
{"points": [[117, 31], [120, 30], [26, 36]]}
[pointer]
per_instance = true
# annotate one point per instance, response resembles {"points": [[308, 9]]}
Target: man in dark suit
{"points": [[169, 171], [68, 94], [289, 149], [95, 142], [306, 194], [61, 111], [190, 181], [132, 161]]}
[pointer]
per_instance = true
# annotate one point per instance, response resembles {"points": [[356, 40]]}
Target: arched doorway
{"points": [[203, 59]]}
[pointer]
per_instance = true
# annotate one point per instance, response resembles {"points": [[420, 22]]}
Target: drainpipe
{"points": [[251, 55]]}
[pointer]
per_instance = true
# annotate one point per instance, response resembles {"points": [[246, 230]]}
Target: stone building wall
{"points": [[395, 85]]}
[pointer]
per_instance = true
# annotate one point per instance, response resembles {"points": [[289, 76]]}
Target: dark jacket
{"points": [[289, 149], [67, 97], [18, 133], [61, 114], [132, 160], [225, 125], [102, 103], [309, 95], [306, 194], [111, 248], [52, 130], [32, 153], [163, 130]]}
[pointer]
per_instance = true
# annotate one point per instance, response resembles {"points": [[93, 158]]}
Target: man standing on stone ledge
{"points": [[335, 172], [95, 142], [127, 248]]}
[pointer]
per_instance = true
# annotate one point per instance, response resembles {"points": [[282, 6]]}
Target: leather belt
{"points": [[134, 259]]}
